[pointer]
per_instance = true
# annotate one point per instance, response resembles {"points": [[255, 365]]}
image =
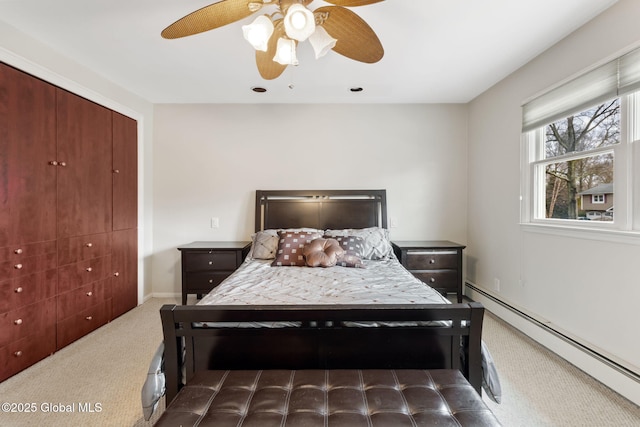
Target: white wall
{"points": [[210, 159], [35, 58], [587, 288]]}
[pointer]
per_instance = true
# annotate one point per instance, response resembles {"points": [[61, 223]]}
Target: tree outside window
{"points": [[576, 157]]}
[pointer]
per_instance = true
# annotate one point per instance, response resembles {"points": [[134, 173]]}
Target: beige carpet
{"points": [[109, 366]]}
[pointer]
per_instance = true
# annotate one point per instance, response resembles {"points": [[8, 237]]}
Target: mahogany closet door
{"points": [[125, 172], [27, 146], [84, 166]]}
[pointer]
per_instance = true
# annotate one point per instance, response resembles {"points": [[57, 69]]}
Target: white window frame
{"points": [[626, 224], [597, 199]]}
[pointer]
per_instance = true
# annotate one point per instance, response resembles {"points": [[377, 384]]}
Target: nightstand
{"points": [[206, 264], [438, 263]]}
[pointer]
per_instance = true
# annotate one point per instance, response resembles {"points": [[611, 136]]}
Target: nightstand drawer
{"points": [[439, 278], [198, 261], [205, 281], [431, 259]]}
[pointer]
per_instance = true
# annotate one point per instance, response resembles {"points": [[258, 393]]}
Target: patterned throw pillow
{"points": [[376, 240], [291, 246], [354, 251], [265, 244]]}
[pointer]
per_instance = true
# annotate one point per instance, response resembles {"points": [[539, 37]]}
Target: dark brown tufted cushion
{"points": [[352, 398], [322, 252]]}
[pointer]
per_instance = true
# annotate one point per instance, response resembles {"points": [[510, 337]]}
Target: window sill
{"points": [[588, 233]]}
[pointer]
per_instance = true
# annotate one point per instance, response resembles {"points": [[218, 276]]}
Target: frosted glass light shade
{"points": [[258, 32], [321, 42], [299, 22], [286, 52]]}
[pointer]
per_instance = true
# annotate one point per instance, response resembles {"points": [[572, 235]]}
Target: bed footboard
{"points": [[197, 338]]}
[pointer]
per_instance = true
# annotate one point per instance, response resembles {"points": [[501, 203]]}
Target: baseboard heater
{"points": [[586, 349]]}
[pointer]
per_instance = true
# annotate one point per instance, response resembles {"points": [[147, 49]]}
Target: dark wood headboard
{"points": [[321, 209]]}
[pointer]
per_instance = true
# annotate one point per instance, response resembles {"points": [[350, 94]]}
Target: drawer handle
{"points": [[89, 244], [18, 251], [425, 252], [18, 353], [89, 318], [116, 274], [53, 163], [432, 280], [17, 322], [89, 269], [89, 293], [116, 171], [63, 164], [18, 290], [210, 262], [432, 261], [18, 266]]}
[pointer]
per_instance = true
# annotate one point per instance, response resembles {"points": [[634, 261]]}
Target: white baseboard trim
{"points": [[619, 378], [176, 295]]}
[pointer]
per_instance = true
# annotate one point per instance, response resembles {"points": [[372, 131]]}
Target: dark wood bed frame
{"points": [[322, 340]]}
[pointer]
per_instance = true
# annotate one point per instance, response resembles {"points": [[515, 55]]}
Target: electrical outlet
{"points": [[215, 222]]}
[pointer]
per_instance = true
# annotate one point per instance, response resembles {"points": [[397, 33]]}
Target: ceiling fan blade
{"points": [[356, 39], [352, 3], [268, 68], [209, 17]]}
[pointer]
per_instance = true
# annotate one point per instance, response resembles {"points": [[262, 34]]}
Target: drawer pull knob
{"points": [[17, 322], [18, 251], [18, 353], [89, 318], [210, 262], [89, 293], [116, 274], [19, 290], [18, 266], [432, 280], [63, 164], [89, 244], [116, 171], [53, 163], [210, 280], [89, 269], [432, 261]]}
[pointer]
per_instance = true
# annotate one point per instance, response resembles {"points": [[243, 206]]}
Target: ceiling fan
{"points": [[275, 35]]}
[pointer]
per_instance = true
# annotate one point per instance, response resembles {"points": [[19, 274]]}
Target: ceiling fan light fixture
{"points": [[286, 52], [299, 22], [258, 32], [321, 41]]}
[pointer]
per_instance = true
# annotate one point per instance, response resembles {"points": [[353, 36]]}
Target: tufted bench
{"points": [[348, 397]]}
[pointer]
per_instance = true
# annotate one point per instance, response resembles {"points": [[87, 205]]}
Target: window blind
{"points": [[607, 81]]}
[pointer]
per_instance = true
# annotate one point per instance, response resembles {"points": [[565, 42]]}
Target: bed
{"points": [[361, 311]]}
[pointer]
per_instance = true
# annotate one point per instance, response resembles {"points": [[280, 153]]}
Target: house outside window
{"points": [[579, 150]]}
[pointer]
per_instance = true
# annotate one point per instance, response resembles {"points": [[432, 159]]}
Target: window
{"points": [[578, 150]]}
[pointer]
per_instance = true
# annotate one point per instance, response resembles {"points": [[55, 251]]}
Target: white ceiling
{"points": [[436, 51]]}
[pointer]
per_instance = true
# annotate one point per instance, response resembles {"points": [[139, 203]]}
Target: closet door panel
{"points": [[124, 261], [27, 147], [125, 172], [84, 166]]}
